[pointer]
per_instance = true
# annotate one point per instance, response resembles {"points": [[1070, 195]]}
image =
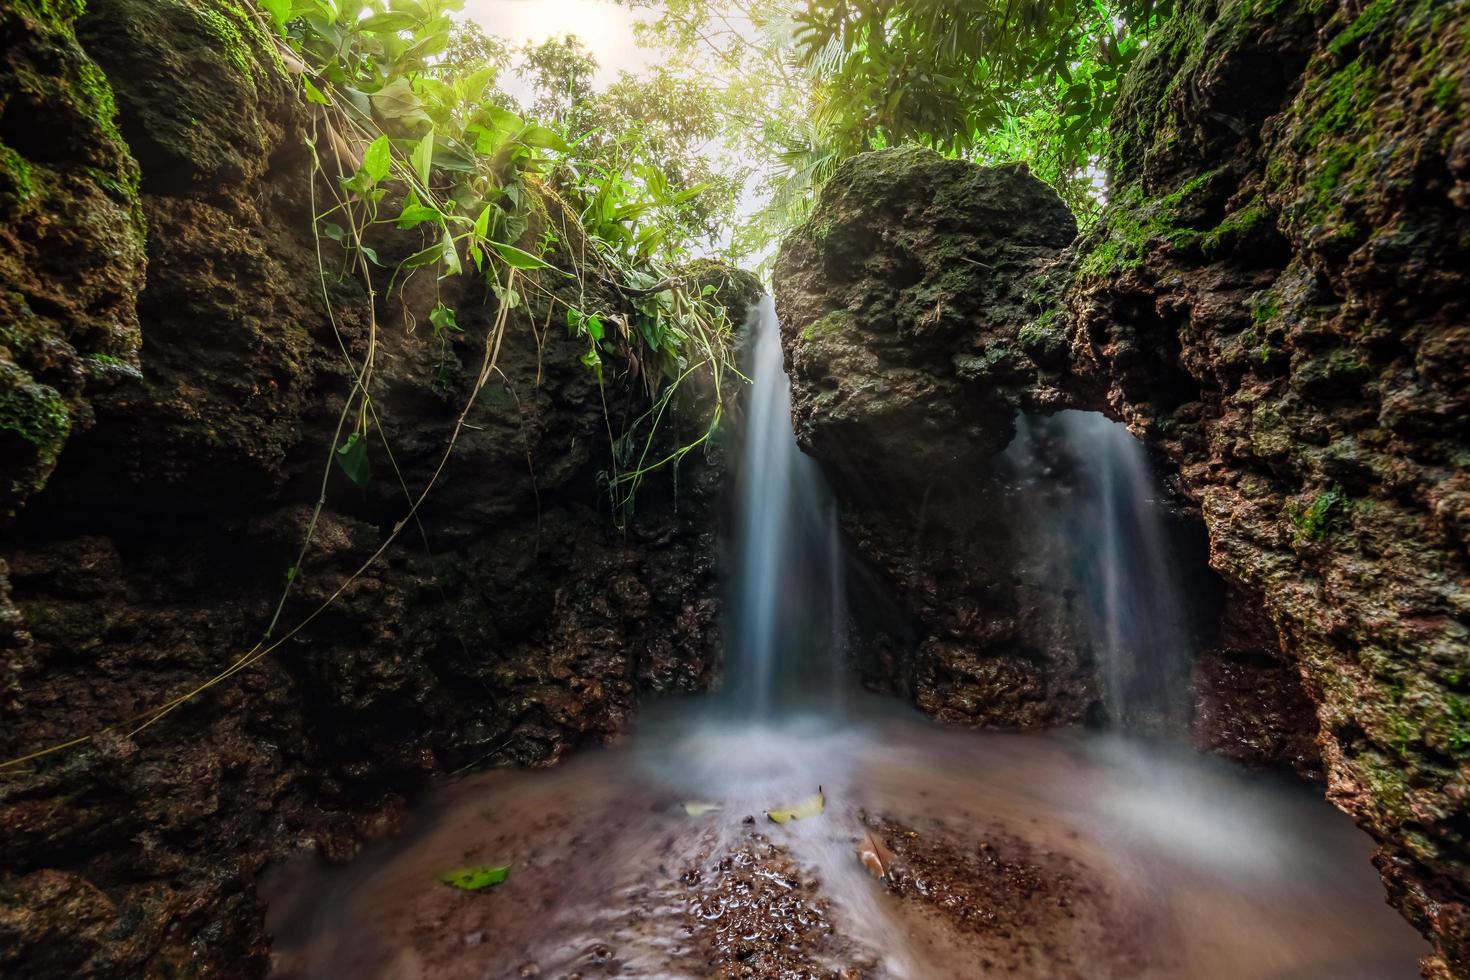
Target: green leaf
{"points": [[543, 138], [697, 808], [391, 22], [280, 11], [428, 256], [451, 256], [333, 231], [477, 878], [593, 362], [503, 119], [810, 807], [314, 94], [415, 213], [378, 159], [510, 298], [423, 158], [443, 318], [352, 456], [518, 259], [398, 102]]}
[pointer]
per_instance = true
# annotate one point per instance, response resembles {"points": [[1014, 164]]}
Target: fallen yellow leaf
{"points": [[695, 809], [810, 807]]}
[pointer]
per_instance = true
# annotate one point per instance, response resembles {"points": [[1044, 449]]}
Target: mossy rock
{"points": [[213, 132], [34, 425]]}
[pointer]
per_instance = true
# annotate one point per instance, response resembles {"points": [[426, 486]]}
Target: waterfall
{"points": [[1128, 572], [1110, 514], [786, 594]]}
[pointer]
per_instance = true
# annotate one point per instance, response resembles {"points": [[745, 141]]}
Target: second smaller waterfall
{"points": [[1120, 560]]}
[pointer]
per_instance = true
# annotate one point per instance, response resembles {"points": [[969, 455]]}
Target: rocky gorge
{"points": [[172, 381], [1272, 299]]}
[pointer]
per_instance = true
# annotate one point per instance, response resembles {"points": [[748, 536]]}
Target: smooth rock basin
{"points": [[1041, 856]]}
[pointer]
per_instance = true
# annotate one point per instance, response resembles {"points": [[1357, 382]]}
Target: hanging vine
{"points": [[397, 141]]}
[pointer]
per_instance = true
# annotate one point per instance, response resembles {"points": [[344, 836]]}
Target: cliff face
{"points": [[1277, 300], [907, 307], [170, 382], [1274, 300]]}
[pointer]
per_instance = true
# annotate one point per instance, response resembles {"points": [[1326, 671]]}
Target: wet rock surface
{"points": [[1276, 299], [1019, 903], [909, 304], [1032, 857], [755, 912], [511, 622], [1273, 300]]}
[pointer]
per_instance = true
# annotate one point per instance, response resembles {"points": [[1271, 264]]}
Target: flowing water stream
{"points": [[785, 604], [1112, 525], [921, 852]]}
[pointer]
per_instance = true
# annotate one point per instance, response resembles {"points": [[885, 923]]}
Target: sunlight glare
{"points": [[603, 26]]}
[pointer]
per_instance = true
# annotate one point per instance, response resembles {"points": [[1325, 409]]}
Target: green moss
{"points": [[1260, 9], [1266, 308], [1341, 100], [35, 413], [1315, 521], [1457, 727], [1238, 227], [1445, 93], [834, 322], [1325, 184], [16, 184], [1133, 222], [1043, 339], [1368, 22], [53, 11], [1270, 436], [229, 40], [94, 95]]}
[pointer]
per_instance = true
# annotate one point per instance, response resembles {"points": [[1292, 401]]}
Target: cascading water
{"points": [[1121, 562], [653, 858], [1133, 579], [786, 590]]}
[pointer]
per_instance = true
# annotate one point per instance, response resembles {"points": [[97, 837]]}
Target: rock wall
{"points": [[1274, 300], [908, 305], [1277, 300], [170, 383]]}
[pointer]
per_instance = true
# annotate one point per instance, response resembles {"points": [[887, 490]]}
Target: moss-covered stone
{"points": [[71, 250], [34, 424], [16, 186], [1306, 314]]}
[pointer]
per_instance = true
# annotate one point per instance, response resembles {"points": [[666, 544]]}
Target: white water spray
{"points": [[786, 597]]}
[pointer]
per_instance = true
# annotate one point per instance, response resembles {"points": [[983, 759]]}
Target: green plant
{"points": [[1313, 522], [402, 139]]}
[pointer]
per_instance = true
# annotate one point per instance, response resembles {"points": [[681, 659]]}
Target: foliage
{"points": [[477, 878], [994, 81], [417, 134], [561, 71]]}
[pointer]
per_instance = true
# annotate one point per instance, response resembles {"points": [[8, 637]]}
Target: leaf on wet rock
{"points": [[812, 806], [698, 809], [875, 855], [476, 878]]}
